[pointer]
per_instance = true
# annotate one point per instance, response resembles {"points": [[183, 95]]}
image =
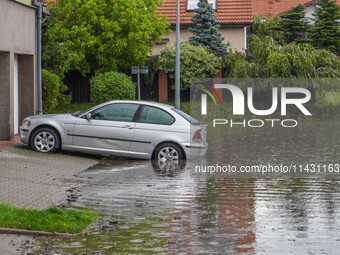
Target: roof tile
{"points": [[228, 11], [270, 8]]}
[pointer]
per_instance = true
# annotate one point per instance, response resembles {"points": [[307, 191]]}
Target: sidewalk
{"points": [[36, 180]]}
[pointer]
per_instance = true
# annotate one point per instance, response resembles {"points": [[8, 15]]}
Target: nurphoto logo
{"points": [[238, 105]]}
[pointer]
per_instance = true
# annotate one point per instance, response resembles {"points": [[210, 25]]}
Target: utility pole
{"points": [[178, 72]]}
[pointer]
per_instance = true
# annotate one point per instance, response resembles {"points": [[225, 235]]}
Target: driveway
{"points": [[34, 180]]}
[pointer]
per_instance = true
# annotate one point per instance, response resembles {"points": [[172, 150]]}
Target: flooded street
{"points": [[145, 208]]}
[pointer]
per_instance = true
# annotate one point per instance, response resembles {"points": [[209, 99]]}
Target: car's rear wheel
{"points": [[45, 140], [168, 152]]}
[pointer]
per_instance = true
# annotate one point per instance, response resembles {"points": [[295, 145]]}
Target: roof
{"points": [[270, 8], [228, 11]]}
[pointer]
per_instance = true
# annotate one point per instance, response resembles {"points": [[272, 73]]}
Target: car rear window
{"points": [[186, 116], [155, 115]]}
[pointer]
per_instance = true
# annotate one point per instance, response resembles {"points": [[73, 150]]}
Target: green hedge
{"points": [[112, 86], [52, 91]]}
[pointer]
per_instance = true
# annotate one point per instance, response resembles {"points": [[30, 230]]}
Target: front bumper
{"points": [[24, 135]]}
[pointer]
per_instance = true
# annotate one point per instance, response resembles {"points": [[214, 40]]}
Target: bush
{"points": [[52, 91], [111, 86]]}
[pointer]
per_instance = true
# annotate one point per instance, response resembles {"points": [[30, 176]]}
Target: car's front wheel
{"points": [[45, 140], [168, 152]]}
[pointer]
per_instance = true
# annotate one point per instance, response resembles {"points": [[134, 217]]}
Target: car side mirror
{"points": [[88, 116]]}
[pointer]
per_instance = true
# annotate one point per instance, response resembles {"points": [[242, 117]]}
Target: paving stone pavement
{"points": [[16, 244], [36, 180]]}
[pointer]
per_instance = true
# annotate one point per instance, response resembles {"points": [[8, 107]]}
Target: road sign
{"points": [[139, 70]]}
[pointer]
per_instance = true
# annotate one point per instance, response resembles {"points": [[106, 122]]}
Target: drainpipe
{"points": [[38, 24]]}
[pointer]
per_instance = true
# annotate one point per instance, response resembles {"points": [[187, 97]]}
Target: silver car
{"points": [[136, 129]]}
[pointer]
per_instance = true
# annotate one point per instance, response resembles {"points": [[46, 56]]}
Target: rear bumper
{"points": [[193, 150]]}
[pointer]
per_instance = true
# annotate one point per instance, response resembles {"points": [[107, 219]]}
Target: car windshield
{"points": [[79, 113], [186, 116]]}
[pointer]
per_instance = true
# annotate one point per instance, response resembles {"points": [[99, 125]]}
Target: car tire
{"points": [[168, 152], [45, 140]]}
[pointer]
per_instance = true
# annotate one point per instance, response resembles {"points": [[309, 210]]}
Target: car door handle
{"points": [[128, 127]]}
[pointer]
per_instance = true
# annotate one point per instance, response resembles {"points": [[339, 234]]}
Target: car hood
{"points": [[51, 116]]}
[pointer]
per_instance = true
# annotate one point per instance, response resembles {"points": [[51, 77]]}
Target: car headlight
{"points": [[26, 122]]}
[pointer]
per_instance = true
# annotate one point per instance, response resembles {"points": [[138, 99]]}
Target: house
{"points": [[234, 16], [270, 8], [18, 77]]}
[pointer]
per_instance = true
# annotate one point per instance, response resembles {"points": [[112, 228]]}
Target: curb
{"points": [[16, 140], [31, 232]]}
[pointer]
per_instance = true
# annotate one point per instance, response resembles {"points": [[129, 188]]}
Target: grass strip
{"points": [[51, 219]]}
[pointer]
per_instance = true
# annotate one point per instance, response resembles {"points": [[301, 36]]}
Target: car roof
{"points": [[161, 105]]}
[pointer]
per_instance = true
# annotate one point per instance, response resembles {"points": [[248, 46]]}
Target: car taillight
{"points": [[197, 136]]}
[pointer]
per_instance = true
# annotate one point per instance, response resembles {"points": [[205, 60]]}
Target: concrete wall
{"points": [[234, 35], [4, 95], [17, 37]]}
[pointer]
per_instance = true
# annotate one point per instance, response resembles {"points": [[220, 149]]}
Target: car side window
{"points": [[155, 115], [115, 112]]}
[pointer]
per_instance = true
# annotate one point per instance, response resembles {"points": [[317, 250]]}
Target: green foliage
{"points": [[52, 91], [51, 219], [153, 65], [292, 61], [100, 36], [55, 56], [259, 48], [111, 86], [265, 59], [326, 30], [196, 62], [206, 30], [327, 64], [293, 29], [237, 66], [264, 26], [72, 107]]}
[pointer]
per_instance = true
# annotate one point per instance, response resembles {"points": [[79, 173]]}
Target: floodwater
{"points": [[145, 208]]}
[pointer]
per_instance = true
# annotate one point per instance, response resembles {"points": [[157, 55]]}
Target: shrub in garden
{"points": [[111, 86], [52, 91], [196, 62]]}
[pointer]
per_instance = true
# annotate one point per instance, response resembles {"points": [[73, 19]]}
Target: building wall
{"points": [[234, 35], [310, 9], [17, 38]]}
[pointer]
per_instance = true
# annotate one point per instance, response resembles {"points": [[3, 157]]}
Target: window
{"points": [[192, 4], [190, 119], [306, 20], [115, 112], [155, 115]]}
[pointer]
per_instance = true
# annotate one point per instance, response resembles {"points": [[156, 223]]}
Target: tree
{"points": [[196, 62], [97, 35], [264, 26], [294, 30], [53, 91], [264, 59], [206, 30], [326, 31]]}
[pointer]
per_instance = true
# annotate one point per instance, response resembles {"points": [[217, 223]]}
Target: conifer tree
{"points": [[326, 31], [206, 30], [294, 30]]}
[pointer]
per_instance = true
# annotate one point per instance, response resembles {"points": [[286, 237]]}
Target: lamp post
{"points": [[178, 74]]}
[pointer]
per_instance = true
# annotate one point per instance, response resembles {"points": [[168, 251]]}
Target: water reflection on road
{"points": [[145, 208]]}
